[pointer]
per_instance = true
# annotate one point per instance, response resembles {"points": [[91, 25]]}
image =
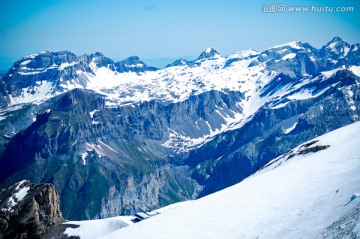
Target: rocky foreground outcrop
{"points": [[28, 210]]}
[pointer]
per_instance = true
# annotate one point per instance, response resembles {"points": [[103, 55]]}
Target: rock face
{"points": [[27, 210], [125, 141]]}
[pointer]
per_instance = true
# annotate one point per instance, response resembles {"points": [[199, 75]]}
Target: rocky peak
{"points": [[337, 46], [27, 210], [180, 62], [209, 53], [336, 39], [132, 60], [101, 61], [133, 64], [97, 54]]}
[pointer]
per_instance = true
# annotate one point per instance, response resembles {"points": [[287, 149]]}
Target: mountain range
{"points": [[116, 138]]}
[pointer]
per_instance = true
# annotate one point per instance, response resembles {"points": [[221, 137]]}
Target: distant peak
{"points": [[133, 59], [208, 53], [179, 62], [338, 46], [336, 39], [209, 49], [294, 44], [335, 42], [97, 54]]}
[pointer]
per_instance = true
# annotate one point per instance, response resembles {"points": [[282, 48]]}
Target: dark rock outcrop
{"points": [[28, 210]]}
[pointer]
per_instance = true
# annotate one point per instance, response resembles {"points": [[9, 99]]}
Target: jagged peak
{"points": [[209, 53], [336, 41], [338, 46], [97, 54]]}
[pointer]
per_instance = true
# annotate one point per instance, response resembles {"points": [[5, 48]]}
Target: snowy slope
{"points": [[92, 229], [303, 194], [96, 228]]}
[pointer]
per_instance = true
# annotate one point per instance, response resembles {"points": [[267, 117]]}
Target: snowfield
{"points": [[310, 192], [91, 229]]}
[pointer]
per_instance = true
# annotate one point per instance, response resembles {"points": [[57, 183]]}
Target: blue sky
{"points": [[159, 31]]}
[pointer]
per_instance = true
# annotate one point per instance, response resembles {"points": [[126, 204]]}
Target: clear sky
{"points": [[159, 31]]}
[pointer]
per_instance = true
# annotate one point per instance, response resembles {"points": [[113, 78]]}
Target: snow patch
{"points": [[208, 50], [105, 146], [65, 65], [328, 74], [355, 70], [37, 94], [91, 113], [18, 196], [83, 157], [25, 62], [288, 130], [93, 229], [288, 56]]}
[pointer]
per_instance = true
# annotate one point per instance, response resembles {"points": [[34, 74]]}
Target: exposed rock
{"points": [[135, 136], [27, 210], [313, 149], [208, 54]]}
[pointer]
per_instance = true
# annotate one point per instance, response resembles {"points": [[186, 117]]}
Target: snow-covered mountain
{"points": [[41, 76], [310, 192], [121, 137]]}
